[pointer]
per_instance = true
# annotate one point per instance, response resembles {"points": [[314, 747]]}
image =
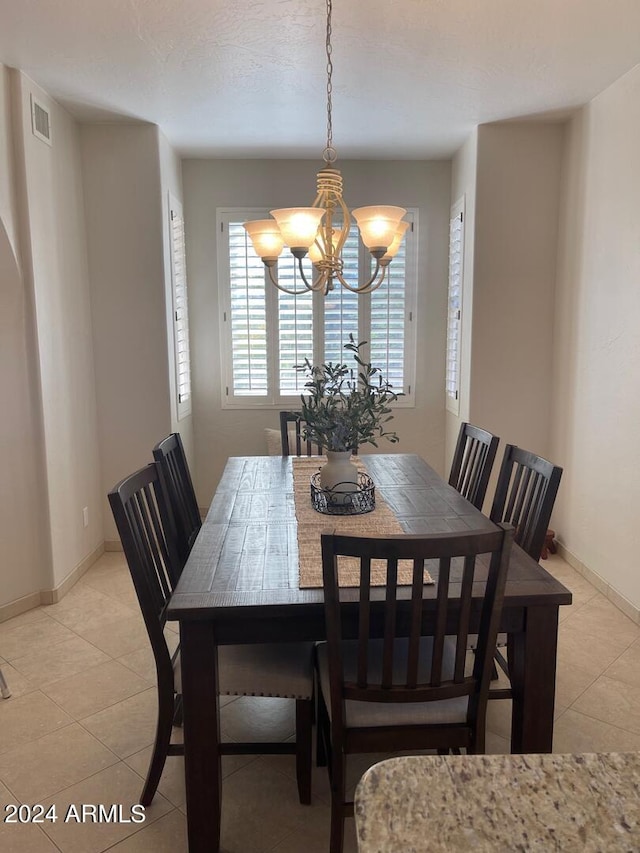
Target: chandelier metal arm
{"points": [[371, 285], [271, 265]]}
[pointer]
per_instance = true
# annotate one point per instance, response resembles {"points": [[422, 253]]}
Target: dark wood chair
{"points": [[525, 494], [176, 480], [279, 669], [300, 446], [472, 463], [406, 691]]}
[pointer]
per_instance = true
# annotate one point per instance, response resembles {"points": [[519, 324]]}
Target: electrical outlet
{"points": [[85, 516]]}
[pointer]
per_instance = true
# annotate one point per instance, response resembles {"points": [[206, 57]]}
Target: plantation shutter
{"points": [[180, 309], [248, 318], [388, 313], [454, 313], [295, 324], [341, 304]]}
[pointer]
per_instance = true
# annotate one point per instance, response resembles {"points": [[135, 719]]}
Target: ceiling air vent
{"points": [[40, 121]]}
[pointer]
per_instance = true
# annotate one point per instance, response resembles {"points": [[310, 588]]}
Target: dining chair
{"points": [[282, 670], [472, 462], [525, 494], [292, 437], [406, 691], [175, 478]]}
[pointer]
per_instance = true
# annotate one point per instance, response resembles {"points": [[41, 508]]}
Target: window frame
{"points": [[452, 400], [273, 400], [176, 219]]}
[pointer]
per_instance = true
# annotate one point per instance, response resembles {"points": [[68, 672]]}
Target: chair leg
{"points": [[322, 733], [338, 785], [160, 747], [4, 687], [304, 716]]}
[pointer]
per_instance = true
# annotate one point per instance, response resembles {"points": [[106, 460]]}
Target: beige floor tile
{"points": [[89, 610], [28, 617], [259, 809], [627, 667], [578, 648], [118, 638], [117, 785], [612, 702], [31, 637], [42, 767], [127, 727], [602, 620], [166, 835], [60, 661], [95, 689], [26, 718], [256, 718], [572, 681], [20, 837], [142, 662], [576, 732], [496, 745], [18, 684], [316, 833]]}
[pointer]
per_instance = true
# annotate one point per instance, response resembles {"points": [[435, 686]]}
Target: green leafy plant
{"points": [[346, 406]]}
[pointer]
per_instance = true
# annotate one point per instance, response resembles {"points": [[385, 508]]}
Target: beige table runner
{"points": [[311, 524]]}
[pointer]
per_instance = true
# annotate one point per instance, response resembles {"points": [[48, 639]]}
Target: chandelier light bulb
{"points": [[378, 225], [298, 225], [266, 238]]}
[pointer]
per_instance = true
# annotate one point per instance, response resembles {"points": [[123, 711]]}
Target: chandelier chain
{"points": [[329, 152]]}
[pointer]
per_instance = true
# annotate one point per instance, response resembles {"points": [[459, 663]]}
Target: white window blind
{"points": [[180, 309], [454, 313], [265, 333]]}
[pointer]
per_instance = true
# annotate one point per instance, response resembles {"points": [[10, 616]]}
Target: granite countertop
{"points": [[584, 803]]}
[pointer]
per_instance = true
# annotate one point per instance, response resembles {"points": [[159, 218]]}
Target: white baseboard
{"points": [[50, 596], [601, 584]]}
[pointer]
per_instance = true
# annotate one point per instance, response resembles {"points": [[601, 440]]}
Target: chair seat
{"points": [[283, 670], [373, 714]]}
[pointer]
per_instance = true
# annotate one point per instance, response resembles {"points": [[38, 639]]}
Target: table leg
{"points": [[532, 670], [203, 779]]}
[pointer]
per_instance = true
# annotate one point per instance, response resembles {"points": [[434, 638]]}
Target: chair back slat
{"points": [[181, 500], [525, 494], [413, 652], [364, 620], [472, 463], [302, 446], [399, 675], [389, 622]]}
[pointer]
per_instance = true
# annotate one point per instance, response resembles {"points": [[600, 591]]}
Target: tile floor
{"points": [[80, 723]]}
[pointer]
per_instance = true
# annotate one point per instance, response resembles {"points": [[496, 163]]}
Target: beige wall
{"points": [[210, 184], [512, 194], [124, 215], [25, 558], [56, 273], [596, 406]]}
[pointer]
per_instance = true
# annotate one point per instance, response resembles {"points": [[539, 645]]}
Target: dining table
{"points": [[241, 584]]}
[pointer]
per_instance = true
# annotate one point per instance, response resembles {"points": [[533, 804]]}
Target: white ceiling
{"points": [[246, 78]]}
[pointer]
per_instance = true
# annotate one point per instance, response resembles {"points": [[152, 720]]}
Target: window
{"points": [[266, 332], [454, 312], [180, 312]]}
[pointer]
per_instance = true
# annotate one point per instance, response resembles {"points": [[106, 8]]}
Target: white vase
{"points": [[339, 475]]}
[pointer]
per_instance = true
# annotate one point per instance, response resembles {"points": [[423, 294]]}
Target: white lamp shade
{"points": [[392, 251], [266, 237], [315, 253], [298, 225], [378, 224]]}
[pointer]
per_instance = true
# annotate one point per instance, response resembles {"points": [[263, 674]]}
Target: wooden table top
{"points": [[245, 560]]}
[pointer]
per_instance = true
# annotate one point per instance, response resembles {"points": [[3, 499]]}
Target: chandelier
{"points": [[322, 229]]}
